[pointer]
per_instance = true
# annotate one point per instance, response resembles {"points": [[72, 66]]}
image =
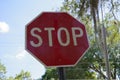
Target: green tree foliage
{"points": [[11, 78], [23, 76], [2, 71], [51, 73]]}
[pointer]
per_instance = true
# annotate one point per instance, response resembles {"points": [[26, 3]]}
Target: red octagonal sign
{"points": [[56, 39]]}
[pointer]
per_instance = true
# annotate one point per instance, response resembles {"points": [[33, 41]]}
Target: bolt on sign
{"points": [[56, 39]]}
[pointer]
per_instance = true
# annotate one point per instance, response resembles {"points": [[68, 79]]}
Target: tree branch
{"points": [[98, 71]]}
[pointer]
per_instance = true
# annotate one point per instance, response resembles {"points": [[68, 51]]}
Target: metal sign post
{"points": [[61, 73]]}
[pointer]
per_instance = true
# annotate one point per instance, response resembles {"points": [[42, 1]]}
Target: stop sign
{"points": [[56, 39]]}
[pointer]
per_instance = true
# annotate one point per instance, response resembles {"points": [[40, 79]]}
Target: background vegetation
{"points": [[23, 75]]}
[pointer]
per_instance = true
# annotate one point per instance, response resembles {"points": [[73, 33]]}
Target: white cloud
{"points": [[21, 55], [4, 28]]}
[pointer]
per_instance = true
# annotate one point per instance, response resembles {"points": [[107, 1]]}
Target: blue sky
{"points": [[14, 15]]}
